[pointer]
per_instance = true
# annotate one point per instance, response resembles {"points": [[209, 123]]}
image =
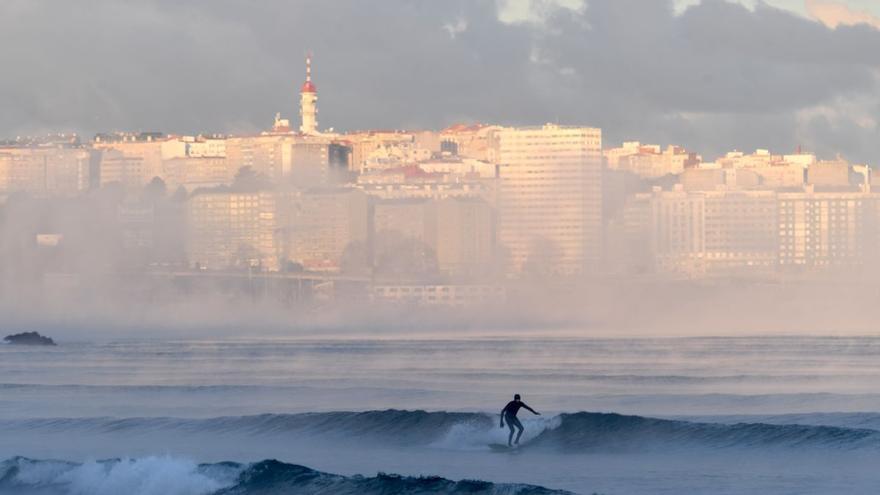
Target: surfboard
{"points": [[500, 447]]}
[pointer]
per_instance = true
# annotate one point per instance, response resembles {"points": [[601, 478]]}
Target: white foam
{"points": [[144, 476], [473, 436], [40, 472], [467, 435]]}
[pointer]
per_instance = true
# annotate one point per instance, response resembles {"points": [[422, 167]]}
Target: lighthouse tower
{"points": [[308, 106]]}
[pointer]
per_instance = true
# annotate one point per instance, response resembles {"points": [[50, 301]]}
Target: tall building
{"points": [[319, 225], [268, 154], [550, 197], [461, 232], [310, 161], [456, 234], [677, 232], [309, 102], [229, 229], [824, 229], [741, 232]]}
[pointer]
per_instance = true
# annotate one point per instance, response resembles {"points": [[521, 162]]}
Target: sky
{"points": [[871, 7], [712, 76]]}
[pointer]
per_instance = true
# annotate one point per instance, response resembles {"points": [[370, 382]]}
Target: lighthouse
{"points": [[308, 106]]}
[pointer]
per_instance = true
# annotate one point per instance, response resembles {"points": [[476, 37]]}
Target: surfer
{"points": [[509, 414]]}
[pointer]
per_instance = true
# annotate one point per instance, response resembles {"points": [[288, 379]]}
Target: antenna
{"points": [[309, 67]]}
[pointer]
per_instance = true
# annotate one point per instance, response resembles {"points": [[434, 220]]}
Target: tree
{"points": [[155, 190], [180, 195]]}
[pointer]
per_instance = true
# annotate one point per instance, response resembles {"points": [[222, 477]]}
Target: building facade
{"points": [[320, 225], [233, 230], [45, 171], [825, 229], [550, 196]]}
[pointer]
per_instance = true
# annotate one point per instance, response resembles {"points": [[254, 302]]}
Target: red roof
{"points": [[308, 87]]}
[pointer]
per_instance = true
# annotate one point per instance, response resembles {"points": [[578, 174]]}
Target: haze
{"points": [[288, 246]]}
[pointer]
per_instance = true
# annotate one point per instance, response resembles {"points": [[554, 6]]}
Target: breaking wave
{"points": [[171, 476], [578, 432]]}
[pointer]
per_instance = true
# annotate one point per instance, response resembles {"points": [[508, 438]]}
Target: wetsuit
{"points": [[509, 414]]}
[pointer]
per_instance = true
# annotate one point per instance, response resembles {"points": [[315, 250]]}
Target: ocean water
{"points": [[747, 415]]}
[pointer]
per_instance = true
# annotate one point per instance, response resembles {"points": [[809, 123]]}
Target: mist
{"points": [[474, 246]]}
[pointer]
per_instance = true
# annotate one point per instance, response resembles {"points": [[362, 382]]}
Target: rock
{"points": [[28, 338]]}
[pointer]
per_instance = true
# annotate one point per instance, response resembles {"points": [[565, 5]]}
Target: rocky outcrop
{"points": [[28, 338]]}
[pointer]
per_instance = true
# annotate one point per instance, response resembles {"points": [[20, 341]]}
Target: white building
{"points": [[44, 171], [649, 160], [824, 229], [550, 197]]}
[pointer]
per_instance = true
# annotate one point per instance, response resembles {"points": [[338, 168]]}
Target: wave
{"points": [[390, 426], [590, 432], [171, 476], [858, 420], [142, 476], [578, 432]]}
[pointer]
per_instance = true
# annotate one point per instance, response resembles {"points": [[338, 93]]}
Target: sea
{"points": [[416, 414]]}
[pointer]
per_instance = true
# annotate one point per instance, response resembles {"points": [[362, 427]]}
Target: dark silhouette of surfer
{"points": [[509, 414]]}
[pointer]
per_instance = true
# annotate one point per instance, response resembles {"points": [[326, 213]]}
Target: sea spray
{"points": [[172, 476], [142, 476]]}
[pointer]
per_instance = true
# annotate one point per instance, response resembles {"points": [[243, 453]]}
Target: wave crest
{"points": [[170, 476], [576, 432], [615, 432], [143, 476]]}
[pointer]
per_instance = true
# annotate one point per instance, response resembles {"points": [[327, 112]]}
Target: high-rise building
{"points": [[824, 229], [741, 232], [319, 225], [268, 154], [230, 229], [456, 234], [677, 232], [461, 232], [550, 197], [310, 162]]}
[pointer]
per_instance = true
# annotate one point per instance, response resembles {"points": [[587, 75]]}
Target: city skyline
{"points": [[659, 76], [315, 246], [307, 125]]}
